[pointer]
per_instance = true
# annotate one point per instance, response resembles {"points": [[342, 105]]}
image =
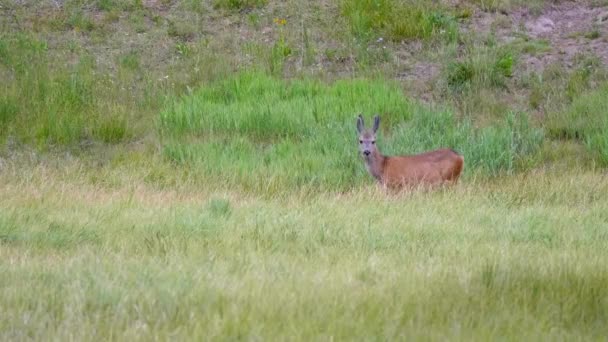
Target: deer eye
{"points": [[373, 142], [360, 141]]}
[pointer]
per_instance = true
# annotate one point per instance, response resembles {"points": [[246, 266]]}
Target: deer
{"points": [[438, 167]]}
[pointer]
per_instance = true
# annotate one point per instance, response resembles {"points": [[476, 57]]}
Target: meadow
{"points": [[188, 170]]}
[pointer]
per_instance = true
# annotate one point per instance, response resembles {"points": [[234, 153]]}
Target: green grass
{"points": [[238, 4], [182, 30], [153, 187], [594, 34], [506, 5], [478, 79], [482, 67], [585, 120], [268, 135], [521, 258], [398, 20], [80, 22], [60, 106], [554, 88], [109, 5]]}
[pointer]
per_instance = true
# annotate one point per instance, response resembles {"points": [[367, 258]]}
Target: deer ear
{"points": [[360, 123], [376, 123]]}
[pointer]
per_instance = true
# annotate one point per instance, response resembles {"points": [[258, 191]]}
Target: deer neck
{"points": [[374, 163]]}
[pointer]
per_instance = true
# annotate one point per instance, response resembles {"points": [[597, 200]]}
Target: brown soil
{"points": [[571, 28]]}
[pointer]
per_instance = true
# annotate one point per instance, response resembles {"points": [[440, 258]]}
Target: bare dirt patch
{"points": [[571, 28], [564, 35]]}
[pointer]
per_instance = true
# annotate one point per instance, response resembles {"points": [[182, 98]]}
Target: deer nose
{"points": [[366, 153]]}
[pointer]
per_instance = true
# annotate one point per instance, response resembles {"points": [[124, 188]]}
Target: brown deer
{"points": [[430, 168]]}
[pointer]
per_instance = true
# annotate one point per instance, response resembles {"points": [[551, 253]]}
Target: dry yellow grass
{"points": [[522, 257]]}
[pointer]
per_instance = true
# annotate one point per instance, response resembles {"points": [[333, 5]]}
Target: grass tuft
{"points": [[398, 20], [80, 21], [239, 4], [481, 68], [112, 129], [219, 207]]}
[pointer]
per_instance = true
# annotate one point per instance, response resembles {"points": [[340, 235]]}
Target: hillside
{"points": [[109, 65]]}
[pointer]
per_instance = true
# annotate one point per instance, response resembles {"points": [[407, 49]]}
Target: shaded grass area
{"points": [[521, 258]]}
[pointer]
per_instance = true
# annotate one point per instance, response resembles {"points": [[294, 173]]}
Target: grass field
{"points": [[188, 170], [523, 258]]}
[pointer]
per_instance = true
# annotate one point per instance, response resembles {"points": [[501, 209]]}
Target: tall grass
{"points": [[481, 67], [490, 150], [398, 20], [554, 89], [125, 243], [266, 134], [586, 120], [522, 258], [47, 104]]}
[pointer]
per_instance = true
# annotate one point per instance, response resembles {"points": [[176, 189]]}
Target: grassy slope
{"points": [[126, 214]]}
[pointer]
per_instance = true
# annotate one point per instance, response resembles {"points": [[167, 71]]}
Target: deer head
{"points": [[367, 138]]}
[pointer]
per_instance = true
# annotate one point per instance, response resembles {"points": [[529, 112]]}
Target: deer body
{"points": [[430, 168]]}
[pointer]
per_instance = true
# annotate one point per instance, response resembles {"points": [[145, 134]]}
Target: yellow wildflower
{"points": [[280, 21]]}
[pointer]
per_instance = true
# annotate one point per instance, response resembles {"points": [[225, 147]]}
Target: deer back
{"points": [[433, 167]]}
